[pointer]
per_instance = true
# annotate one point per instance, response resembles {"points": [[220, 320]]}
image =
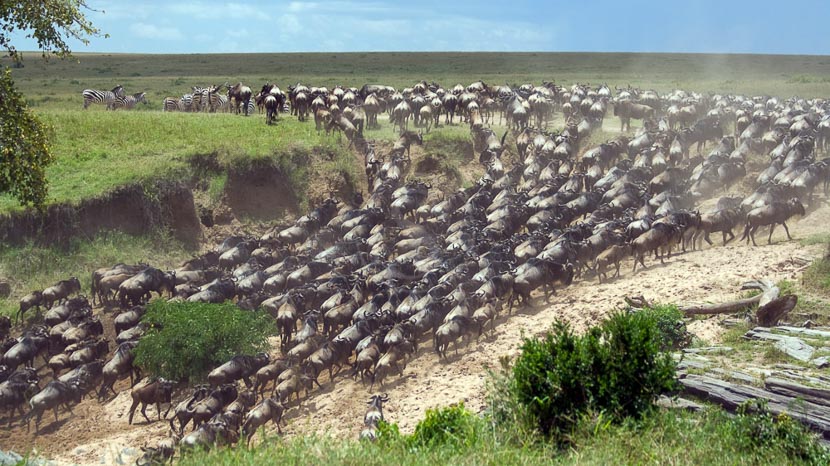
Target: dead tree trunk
{"points": [[771, 307]]}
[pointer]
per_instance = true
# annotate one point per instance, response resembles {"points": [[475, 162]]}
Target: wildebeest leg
{"points": [[732, 236], [787, 230], [144, 411], [132, 411], [752, 235], [617, 271], [169, 406], [771, 229]]}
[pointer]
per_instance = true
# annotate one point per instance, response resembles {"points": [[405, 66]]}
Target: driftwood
{"points": [[771, 307], [730, 396]]}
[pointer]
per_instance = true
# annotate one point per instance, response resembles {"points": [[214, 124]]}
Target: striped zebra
{"points": [[217, 102], [201, 99], [94, 96], [172, 104], [129, 102]]}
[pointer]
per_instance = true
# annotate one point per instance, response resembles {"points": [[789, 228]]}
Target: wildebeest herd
{"points": [[364, 282]]}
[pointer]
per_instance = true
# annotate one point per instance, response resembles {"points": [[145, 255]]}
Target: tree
{"points": [[24, 145]]}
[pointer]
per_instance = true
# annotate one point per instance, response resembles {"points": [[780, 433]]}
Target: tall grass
{"points": [[664, 437]]}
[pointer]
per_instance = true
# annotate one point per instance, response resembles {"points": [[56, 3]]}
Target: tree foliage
{"points": [[188, 340], [50, 22], [617, 369], [24, 146]]}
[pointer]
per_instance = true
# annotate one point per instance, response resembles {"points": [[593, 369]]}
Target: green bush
{"points": [[617, 368], [187, 340], [670, 325], [451, 425]]}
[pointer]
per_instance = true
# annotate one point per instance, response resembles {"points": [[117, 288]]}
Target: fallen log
{"points": [[771, 307]]}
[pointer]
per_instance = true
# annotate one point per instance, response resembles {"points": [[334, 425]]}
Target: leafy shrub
{"points": [[451, 425], [617, 368], [670, 325], [187, 340]]}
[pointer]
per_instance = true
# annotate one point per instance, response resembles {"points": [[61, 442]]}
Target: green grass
{"points": [[680, 438], [98, 151], [817, 277], [666, 437], [34, 267], [59, 83]]}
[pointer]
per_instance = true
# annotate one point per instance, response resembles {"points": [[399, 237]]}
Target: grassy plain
{"points": [[98, 150]]}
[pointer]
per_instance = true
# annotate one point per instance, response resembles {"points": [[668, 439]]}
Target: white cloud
{"points": [[218, 11], [150, 31]]}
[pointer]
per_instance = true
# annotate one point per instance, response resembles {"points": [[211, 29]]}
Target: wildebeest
{"points": [[31, 300], [626, 110], [120, 365], [267, 409], [60, 291], [540, 272], [156, 392], [55, 394], [772, 215], [239, 94], [136, 290], [239, 367], [373, 416]]}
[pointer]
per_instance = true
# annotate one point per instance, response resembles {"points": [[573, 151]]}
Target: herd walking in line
{"points": [[357, 287]]}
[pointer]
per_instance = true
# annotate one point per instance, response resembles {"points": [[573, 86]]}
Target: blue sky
{"points": [[196, 26]]}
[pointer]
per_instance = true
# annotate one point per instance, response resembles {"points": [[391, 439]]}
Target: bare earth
{"points": [[99, 433]]}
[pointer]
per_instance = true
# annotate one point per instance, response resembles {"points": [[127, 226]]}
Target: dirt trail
{"points": [[99, 433]]}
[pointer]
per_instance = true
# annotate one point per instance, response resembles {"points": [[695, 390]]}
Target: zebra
{"points": [[217, 101], [172, 104], [199, 99], [94, 96], [129, 101]]}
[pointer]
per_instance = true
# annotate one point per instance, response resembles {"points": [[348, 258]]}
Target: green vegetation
{"points": [[670, 326], [96, 150], [23, 139], [617, 368], [99, 151], [817, 277], [664, 437], [24, 150], [709, 437], [34, 267], [172, 75], [595, 433], [187, 340]]}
